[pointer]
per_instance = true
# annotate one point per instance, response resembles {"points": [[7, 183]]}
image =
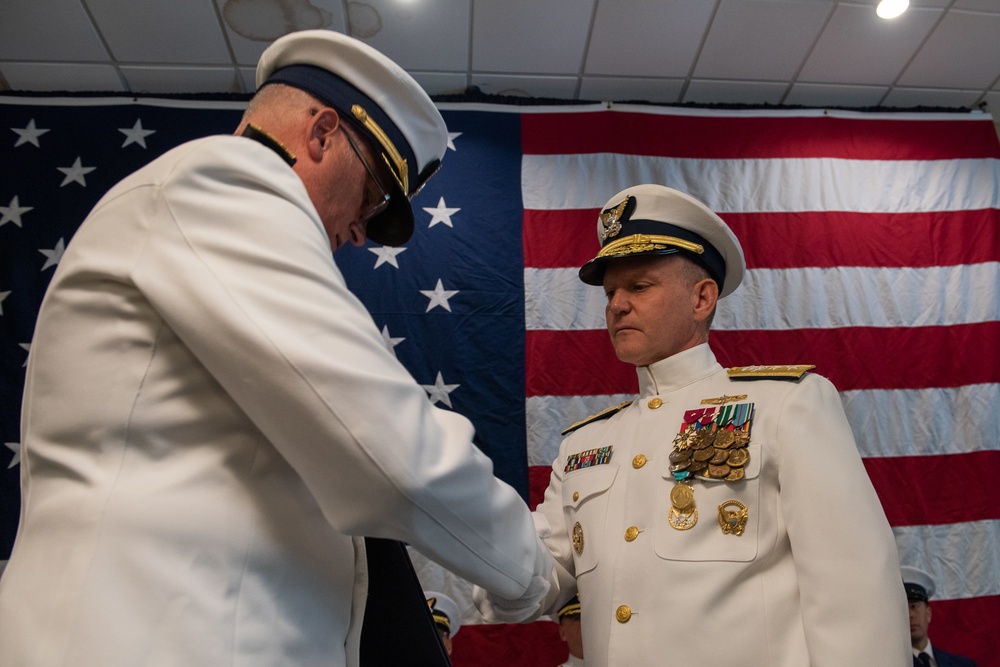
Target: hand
{"points": [[527, 607]]}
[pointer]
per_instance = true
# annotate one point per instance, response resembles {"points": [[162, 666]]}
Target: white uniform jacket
{"points": [[209, 417], [813, 579]]}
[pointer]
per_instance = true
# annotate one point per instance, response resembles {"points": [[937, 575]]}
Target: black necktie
{"points": [[924, 660]]}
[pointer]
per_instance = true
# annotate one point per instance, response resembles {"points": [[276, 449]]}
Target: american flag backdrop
{"points": [[872, 242]]}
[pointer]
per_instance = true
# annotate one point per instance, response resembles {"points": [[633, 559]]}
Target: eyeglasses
{"points": [[376, 199]]}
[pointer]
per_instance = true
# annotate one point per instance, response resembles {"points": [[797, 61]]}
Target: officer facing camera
{"points": [[724, 516]]}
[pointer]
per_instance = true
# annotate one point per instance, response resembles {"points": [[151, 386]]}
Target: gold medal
{"points": [[725, 439], [683, 514], [738, 457], [733, 517]]}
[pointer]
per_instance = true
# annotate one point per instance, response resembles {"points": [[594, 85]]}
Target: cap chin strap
{"points": [[397, 163]]}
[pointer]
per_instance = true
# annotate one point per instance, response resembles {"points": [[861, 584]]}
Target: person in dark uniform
{"points": [[920, 588]]}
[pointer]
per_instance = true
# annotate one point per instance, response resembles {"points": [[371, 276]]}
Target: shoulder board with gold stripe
{"points": [[793, 373], [603, 414]]}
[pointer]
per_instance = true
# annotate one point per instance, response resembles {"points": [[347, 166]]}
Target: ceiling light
{"points": [[890, 9]]}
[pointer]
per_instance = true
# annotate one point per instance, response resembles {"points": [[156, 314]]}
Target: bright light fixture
{"points": [[890, 9]]}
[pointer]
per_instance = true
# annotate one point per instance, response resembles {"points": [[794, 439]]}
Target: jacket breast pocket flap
{"points": [[585, 506]]}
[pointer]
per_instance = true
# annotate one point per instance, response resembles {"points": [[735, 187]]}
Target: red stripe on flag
{"points": [[927, 490], [529, 645], [571, 363], [747, 137], [821, 238]]}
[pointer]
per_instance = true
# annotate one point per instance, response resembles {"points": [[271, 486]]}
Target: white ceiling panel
{"points": [[563, 87], [149, 31], [734, 92], [532, 36], [251, 26], [62, 77], [835, 95], [858, 47], [48, 30], [159, 80], [915, 97], [963, 52], [621, 89], [664, 43], [801, 52], [401, 31], [765, 40]]}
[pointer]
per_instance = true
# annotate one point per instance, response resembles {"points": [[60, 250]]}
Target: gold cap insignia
{"points": [[611, 219]]}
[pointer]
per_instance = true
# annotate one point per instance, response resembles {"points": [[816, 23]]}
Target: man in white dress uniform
{"points": [[724, 517], [212, 421]]}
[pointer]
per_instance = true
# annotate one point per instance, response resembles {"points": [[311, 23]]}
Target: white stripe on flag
{"points": [[846, 296], [924, 422], [962, 558], [953, 420], [790, 184], [548, 416]]}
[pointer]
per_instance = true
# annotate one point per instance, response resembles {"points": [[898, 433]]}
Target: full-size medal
{"points": [[683, 513]]}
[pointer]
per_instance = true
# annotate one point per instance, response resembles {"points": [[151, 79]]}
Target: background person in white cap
{"points": [[212, 420], [724, 517], [446, 615], [570, 632], [919, 587]]}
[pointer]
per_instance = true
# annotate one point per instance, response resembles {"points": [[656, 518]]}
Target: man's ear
{"points": [[704, 296], [321, 129]]}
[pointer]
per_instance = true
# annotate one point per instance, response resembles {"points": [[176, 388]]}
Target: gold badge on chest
{"points": [[733, 516], [577, 538]]}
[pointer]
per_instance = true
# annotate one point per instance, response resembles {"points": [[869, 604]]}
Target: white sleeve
{"points": [[853, 605], [238, 265]]}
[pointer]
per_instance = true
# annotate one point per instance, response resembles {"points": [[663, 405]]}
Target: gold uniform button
{"points": [[631, 533], [654, 403], [639, 461], [623, 613], [576, 496]]}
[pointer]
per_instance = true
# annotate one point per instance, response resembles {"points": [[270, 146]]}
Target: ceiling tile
{"points": [[533, 36], [734, 92], [647, 37], [982, 5], [251, 25], [760, 39], [964, 52], [441, 83], [151, 31], [622, 89], [62, 76], [926, 97], [559, 87], [858, 47], [429, 35], [48, 30], [249, 76], [156, 80], [828, 95]]}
